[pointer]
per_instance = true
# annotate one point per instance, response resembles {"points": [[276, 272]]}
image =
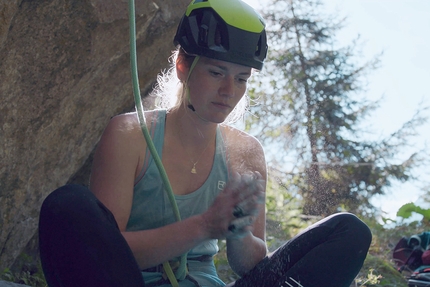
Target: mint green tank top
{"points": [[151, 207]]}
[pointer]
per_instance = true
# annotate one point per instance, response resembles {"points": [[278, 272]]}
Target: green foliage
{"points": [[310, 112], [370, 280], [24, 277], [379, 273], [407, 209], [28, 272]]}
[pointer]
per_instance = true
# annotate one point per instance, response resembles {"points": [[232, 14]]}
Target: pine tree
{"points": [[310, 111]]}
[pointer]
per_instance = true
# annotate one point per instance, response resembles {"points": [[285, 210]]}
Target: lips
{"points": [[221, 105]]}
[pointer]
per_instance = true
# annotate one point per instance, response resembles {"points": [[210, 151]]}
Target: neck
{"points": [[192, 130]]}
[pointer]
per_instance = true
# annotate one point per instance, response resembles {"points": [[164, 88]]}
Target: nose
{"points": [[227, 87]]}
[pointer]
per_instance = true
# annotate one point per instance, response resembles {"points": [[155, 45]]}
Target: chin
{"points": [[215, 117], [219, 119]]}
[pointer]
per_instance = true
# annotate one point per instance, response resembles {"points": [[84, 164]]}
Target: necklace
{"points": [[193, 169]]}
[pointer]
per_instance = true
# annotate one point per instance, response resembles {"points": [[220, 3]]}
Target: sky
{"points": [[399, 29]]}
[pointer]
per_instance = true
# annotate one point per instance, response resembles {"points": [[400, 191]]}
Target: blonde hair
{"points": [[169, 91]]}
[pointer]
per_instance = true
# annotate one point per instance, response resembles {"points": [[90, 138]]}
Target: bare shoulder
{"points": [[122, 143], [127, 124], [245, 151], [123, 122], [240, 138]]}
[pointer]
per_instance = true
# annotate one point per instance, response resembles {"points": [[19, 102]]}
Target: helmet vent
{"points": [[225, 30], [258, 48]]}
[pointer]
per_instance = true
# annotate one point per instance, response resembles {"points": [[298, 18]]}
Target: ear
{"points": [[182, 68]]}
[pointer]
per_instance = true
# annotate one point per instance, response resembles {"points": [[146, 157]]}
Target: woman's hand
{"points": [[236, 208]]}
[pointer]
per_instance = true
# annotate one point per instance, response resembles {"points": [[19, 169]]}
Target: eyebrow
{"points": [[225, 69]]}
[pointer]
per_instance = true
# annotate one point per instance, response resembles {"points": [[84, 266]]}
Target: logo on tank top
{"points": [[221, 184]]}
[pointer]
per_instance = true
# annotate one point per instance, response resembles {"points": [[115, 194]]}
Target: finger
{"points": [[238, 211], [236, 232], [242, 186], [239, 186], [253, 177], [234, 184], [248, 179], [241, 222], [252, 182], [249, 206], [240, 228]]}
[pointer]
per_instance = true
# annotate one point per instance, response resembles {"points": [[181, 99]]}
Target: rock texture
{"points": [[64, 71]]}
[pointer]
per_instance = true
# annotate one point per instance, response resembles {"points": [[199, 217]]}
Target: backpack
{"points": [[408, 252]]}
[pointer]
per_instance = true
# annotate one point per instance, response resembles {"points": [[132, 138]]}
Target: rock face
{"points": [[64, 71]]}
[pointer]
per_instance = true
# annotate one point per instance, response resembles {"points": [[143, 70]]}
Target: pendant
{"points": [[193, 170]]}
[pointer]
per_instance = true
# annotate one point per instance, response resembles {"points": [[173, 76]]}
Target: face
{"points": [[216, 87]]}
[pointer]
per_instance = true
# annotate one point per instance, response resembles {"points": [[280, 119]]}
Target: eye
{"points": [[215, 73], [242, 80]]}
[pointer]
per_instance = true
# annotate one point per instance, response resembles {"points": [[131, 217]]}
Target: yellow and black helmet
{"points": [[227, 30]]}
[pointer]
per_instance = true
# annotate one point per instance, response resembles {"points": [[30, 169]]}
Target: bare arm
{"points": [[244, 253]]}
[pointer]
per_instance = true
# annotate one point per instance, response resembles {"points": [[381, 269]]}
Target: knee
{"points": [[356, 227], [64, 201]]}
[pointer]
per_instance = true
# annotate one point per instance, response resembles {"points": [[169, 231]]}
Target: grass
{"points": [[24, 277]]}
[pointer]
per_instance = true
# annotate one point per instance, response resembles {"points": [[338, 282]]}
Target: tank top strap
{"points": [[156, 131]]}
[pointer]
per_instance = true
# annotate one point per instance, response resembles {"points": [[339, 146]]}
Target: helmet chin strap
{"points": [[187, 91]]}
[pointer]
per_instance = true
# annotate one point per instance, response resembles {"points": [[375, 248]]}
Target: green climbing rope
{"points": [[181, 272]]}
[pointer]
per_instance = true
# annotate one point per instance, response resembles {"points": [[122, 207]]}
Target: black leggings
{"points": [[81, 245]]}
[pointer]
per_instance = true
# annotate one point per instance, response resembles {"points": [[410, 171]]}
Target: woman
{"points": [[122, 231]]}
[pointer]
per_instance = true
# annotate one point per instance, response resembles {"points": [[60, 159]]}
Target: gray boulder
{"points": [[64, 72]]}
